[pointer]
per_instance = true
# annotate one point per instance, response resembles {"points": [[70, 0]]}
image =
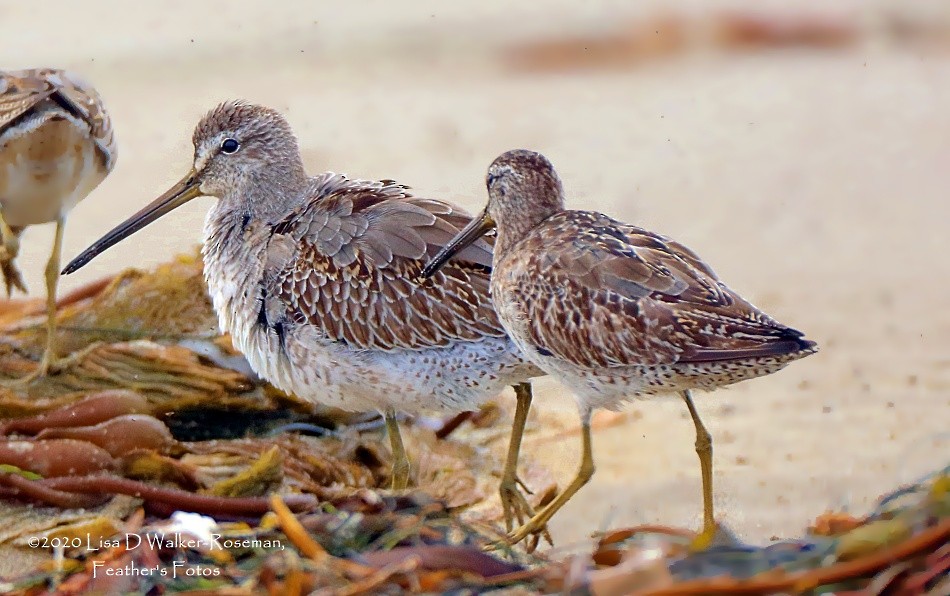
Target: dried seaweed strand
{"points": [[873, 562], [20, 487], [131, 334], [178, 498], [940, 565], [773, 581], [614, 536], [450, 425], [294, 582], [516, 576], [378, 578], [297, 534], [89, 290]]}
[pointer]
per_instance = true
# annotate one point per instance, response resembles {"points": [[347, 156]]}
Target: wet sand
{"points": [[813, 180]]}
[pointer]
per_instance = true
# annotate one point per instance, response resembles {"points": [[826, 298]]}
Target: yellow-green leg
{"points": [[9, 249], [48, 360], [400, 478], [584, 474], [513, 502], [704, 451], [52, 284]]}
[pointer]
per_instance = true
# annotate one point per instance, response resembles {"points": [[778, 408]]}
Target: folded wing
{"points": [[348, 261], [600, 293]]}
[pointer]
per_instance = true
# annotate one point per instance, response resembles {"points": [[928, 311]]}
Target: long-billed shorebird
{"points": [[317, 281], [613, 311], [56, 146]]}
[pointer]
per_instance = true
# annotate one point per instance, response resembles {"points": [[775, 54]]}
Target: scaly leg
{"points": [[704, 451], [48, 360], [52, 283], [9, 249], [584, 474], [513, 501], [400, 479]]}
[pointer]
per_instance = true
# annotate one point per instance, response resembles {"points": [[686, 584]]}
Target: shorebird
{"points": [[613, 311], [317, 281], [56, 146]]}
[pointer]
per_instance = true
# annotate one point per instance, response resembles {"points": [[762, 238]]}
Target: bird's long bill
{"points": [[183, 191], [478, 227]]}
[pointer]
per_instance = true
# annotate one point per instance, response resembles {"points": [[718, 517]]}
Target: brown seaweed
{"points": [[93, 409], [56, 457], [120, 435], [180, 499]]}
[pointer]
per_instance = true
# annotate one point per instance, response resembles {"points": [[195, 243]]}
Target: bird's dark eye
{"points": [[229, 146]]}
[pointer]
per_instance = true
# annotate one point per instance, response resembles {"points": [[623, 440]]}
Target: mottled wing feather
{"points": [[24, 90], [85, 100], [18, 94], [359, 248], [599, 293]]}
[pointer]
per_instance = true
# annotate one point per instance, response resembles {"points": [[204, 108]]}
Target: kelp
{"points": [[371, 542], [152, 408], [155, 460]]}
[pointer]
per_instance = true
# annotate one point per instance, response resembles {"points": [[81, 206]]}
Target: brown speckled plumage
{"points": [[600, 296], [359, 248], [614, 311], [32, 91], [636, 297], [56, 146], [317, 278]]}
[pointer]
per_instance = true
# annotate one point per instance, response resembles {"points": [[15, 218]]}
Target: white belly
{"points": [[307, 364], [45, 170], [453, 378]]}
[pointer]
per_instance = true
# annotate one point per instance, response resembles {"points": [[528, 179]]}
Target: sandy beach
{"points": [[813, 179]]}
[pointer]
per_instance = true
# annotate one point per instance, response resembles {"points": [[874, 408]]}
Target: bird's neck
{"points": [[268, 196], [237, 230], [234, 259], [514, 224]]}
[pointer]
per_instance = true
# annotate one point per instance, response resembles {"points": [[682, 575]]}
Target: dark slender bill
{"points": [[475, 229], [176, 196]]}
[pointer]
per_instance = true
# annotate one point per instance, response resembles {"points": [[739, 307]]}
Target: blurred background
{"points": [[801, 147]]}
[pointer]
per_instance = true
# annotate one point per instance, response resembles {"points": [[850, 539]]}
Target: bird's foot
{"points": [[49, 365], [517, 508], [704, 539], [41, 370], [9, 244], [12, 278], [533, 531], [513, 502]]}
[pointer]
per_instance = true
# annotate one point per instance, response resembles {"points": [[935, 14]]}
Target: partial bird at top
{"points": [[56, 146]]}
